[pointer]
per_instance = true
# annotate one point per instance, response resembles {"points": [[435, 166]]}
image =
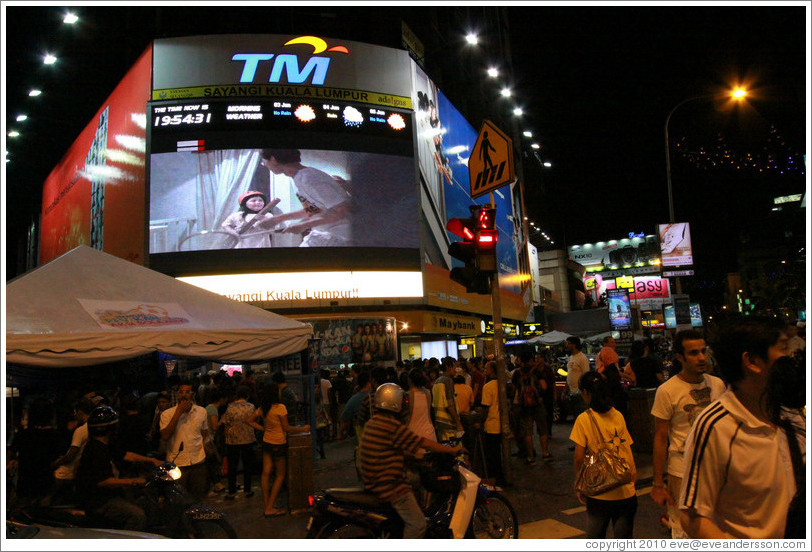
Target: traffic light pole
{"points": [[501, 371]]}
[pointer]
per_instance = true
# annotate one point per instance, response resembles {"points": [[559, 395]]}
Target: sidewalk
{"points": [[541, 495]]}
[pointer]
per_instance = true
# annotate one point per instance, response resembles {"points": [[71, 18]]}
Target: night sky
{"points": [[596, 83]]}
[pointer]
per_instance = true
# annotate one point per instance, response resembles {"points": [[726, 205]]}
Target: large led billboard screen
{"points": [[274, 175]]}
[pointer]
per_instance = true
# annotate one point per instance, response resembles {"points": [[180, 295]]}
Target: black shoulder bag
{"points": [[796, 514]]}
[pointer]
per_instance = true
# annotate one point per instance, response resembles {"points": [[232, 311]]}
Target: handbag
{"points": [[602, 470], [796, 512]]}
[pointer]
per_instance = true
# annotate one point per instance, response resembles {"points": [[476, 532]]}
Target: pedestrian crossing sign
{"points": [[490, 165]]}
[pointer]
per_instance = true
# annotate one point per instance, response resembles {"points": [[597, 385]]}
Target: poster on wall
{"points": [[354, 340], [675, 244], [620, 311]]}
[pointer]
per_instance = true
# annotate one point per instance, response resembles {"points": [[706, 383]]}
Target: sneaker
{"points": [[531, 460], [219, 487], [547, 457], [231, 496], [249, 494]]}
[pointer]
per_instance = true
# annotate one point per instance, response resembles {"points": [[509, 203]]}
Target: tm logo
{"points": [[317, 65]]}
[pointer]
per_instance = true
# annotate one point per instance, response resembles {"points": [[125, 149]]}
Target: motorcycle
{"points": [[455, 501], [171, 511]]}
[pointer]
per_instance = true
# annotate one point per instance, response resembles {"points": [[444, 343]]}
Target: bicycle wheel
{"points": [[495, 519], [212, 529]]}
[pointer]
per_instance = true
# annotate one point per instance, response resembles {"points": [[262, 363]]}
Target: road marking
{"points": [[548, 529], [573, 511]]}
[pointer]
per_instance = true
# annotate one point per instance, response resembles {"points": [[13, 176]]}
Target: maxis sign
{"points": [[315, 66]]}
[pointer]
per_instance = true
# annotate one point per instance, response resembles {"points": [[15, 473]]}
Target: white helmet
{"points": [[389, 396]]}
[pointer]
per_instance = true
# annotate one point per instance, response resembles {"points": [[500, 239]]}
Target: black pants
{"points": [[235, 452], [493, 457], [619, 512]]}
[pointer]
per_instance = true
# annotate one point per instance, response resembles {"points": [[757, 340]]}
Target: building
{"points": [[163, 163]]}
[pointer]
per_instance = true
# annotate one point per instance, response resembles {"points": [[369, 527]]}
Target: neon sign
{"points": [[289, 63]]}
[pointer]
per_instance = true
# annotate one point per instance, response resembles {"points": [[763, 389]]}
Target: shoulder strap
{"points": [[795, 455], [602, 441]]}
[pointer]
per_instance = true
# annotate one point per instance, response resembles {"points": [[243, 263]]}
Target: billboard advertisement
{"points": [[620, 310], [635, 252], [95, 195], [444, 144], [675, 244], [344, 341], [670, 317], [696, 315]]}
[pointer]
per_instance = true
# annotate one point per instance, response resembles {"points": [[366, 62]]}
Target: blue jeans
{"points": [[414, 522], [619, 512]]}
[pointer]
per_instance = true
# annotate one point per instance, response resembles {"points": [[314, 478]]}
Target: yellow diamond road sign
{"points": [[490, 165]]}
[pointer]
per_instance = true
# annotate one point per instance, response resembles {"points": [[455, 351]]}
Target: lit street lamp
{"points": [[737, 94]]}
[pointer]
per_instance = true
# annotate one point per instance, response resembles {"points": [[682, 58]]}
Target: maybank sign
{"points": [[184, 67]]}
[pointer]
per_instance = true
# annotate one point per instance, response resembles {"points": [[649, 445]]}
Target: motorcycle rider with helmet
{"points": [[385, 442], [97, 479]]}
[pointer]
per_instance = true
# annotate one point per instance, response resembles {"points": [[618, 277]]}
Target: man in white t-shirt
{"points": [[677, 404], [65, 466], [738, 479], [577, 366], [324, 217], [187, 424]]}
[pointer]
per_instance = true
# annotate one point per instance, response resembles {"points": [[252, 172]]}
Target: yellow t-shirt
{"points": [[274, 434], [490, 398], [612, 426]]}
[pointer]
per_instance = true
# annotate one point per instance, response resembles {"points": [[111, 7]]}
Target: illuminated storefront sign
{"points": [[311, 286], [636, 252]]}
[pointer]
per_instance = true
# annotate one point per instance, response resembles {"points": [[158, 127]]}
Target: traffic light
{"points": [[486, 236], [477, 249]]}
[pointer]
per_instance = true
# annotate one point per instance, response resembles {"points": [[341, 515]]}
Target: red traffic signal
{"points": [[462, 227]]}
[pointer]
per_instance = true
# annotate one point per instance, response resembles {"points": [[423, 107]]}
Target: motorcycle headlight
{"points": [[174, 473]]}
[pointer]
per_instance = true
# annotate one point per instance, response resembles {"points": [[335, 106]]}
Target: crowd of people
{"points": [[726, 422]]}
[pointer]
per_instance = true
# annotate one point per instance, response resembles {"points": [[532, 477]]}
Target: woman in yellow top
{"points": [[274, 417], [618, 505]]}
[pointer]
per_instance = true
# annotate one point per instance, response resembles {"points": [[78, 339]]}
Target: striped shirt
{"points": [[383, 446], [738, 470]]}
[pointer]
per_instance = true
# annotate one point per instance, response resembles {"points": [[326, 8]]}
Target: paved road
{"points": [[541, 494]]}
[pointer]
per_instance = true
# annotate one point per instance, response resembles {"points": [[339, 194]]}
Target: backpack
{"points": [[530, 395]]}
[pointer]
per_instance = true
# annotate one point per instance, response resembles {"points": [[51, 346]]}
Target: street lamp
{"points": [[737, 94]]}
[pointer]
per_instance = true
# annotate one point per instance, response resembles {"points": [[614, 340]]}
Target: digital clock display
{"points": [[179, 119], [181, 115]]}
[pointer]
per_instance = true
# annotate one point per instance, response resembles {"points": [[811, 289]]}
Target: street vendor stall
{"points": [[87, 307]]}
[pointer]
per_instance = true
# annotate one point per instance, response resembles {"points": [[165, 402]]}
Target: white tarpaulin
{"points": [[550, 338], [88, 307]]}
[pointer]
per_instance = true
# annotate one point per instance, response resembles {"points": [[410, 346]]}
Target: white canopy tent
{"points": [[88, 307], [550, 338]]}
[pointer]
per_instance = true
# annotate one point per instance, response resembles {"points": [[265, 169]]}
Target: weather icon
{"points": [[305, 113], [396, 121], [352, 117]]}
